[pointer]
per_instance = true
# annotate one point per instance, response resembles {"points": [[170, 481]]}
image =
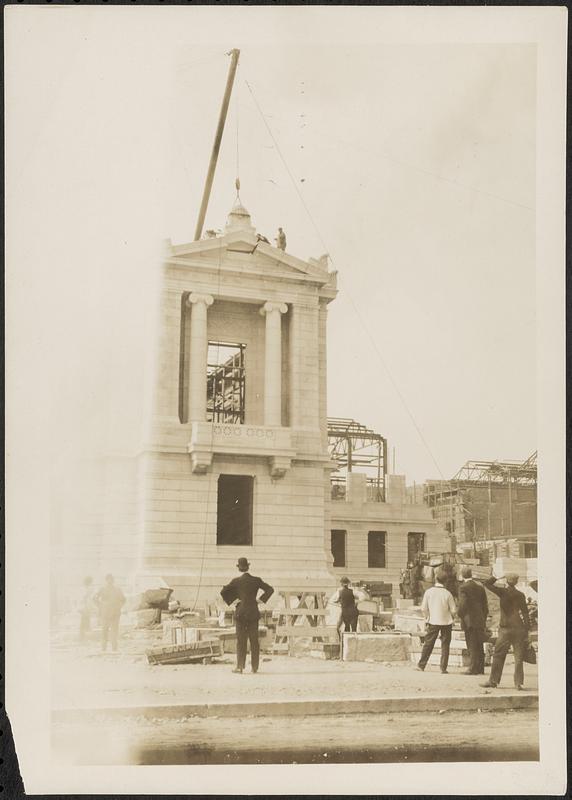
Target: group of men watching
{"points": [[438, 606]]}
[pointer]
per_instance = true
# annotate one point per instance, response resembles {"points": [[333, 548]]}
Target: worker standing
{"points": [[405, 582], [245, 588], [281, 239], [473, 611], [415, 581], [346, 598], [513, 630], [110, 600], [438, 606]]}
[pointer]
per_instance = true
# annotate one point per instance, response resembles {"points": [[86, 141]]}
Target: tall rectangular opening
{"points": [[376, 549], [339, 547], [415, 545], [226, 382], [234, 510]]}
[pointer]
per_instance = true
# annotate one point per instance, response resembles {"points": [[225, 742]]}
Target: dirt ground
{"points": [[365, 738], [82, 677]]}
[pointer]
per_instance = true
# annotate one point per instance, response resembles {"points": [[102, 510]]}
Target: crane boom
{"points": [[216, 146]]}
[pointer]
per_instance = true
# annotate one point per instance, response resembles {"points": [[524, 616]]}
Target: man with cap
{"points": [[513, 630], [473, 610], [245, 588]]}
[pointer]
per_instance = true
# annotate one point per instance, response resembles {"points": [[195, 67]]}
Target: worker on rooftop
{"points": [[281, 240]]}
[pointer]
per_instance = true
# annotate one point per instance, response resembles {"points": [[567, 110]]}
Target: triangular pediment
{"points": [[245, 252]]}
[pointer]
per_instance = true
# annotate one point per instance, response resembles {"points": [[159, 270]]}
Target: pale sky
{"points": [[416, 162], [418, 159]]}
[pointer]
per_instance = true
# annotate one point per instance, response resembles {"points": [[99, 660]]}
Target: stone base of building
{"points": [[195, 589]]}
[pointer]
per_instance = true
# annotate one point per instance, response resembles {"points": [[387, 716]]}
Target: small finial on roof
{"points": [[239, 218]]}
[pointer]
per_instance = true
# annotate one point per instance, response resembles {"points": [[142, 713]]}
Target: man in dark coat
{"points": [[473, 610], [347, 600], [513, 630], [110, 600], [245, 588]]}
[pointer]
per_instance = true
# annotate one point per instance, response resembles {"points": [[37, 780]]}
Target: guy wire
{"points": [[362, 321]]}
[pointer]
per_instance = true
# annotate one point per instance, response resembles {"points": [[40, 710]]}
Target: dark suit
{"points": [[473, 610], [350, 613], [513, 630], [245, 588]]}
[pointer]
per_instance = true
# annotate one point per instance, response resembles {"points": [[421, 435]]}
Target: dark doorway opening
{"points": [[339, 548], [234, 510], [376, 549], [415, 545]]}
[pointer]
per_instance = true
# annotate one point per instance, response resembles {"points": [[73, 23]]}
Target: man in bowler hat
{"points": [[473, 610], [245, 588]]}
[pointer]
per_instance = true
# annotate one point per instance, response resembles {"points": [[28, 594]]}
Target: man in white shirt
{"points": [[439, 609]]}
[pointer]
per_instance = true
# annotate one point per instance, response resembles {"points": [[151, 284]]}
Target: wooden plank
{"points": [[306, 630], [302, 612]]}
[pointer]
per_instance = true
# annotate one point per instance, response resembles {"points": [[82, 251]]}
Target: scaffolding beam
{"points": [[355, 447]]}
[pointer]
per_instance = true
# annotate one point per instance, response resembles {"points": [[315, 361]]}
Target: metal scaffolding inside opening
{"points": [[355, 447], [226, 382]]}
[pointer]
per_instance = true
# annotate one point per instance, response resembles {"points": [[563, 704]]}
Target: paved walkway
{"points": [[84, 678]]}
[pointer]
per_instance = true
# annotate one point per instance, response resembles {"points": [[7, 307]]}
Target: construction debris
{"points": [[188, 653]]}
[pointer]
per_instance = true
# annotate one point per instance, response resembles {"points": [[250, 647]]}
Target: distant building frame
{"points": [[354, 446]]}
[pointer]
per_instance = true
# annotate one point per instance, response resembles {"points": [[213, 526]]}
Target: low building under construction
{"points": [[489, 503], [376, 528]]}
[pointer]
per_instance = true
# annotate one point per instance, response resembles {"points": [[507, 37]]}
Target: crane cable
{"points": [[356, 310]]}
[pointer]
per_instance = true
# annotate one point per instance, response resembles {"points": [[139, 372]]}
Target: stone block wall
{"points": [[397, 520], [179, 539]]}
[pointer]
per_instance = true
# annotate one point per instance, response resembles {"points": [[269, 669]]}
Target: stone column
{"points": [[304, 366], [273, 363], [198, 303]]}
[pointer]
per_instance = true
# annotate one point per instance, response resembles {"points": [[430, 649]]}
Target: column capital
{"points": [[196, 297], [270, 306]]}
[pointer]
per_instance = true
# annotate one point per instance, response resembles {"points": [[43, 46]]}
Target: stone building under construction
{"points": [[241, 459], [490, 505]]}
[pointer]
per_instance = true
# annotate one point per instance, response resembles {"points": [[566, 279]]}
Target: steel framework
{"points": [[467, 496], [354, 446], [226, 383], [504, 472]]}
